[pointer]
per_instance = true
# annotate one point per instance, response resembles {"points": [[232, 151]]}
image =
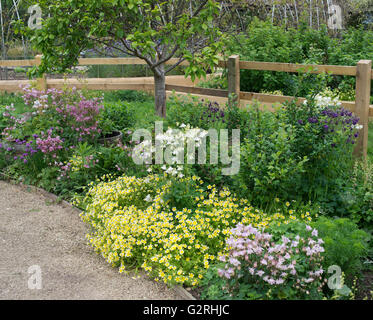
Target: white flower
{"points": [[357, 127], [148, 198], [169, 170]]}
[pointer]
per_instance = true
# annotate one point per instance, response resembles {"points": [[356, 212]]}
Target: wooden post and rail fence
{"points": [[360, 107]]}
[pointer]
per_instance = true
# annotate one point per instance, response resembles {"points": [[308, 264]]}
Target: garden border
{"points": [[178, 289]]}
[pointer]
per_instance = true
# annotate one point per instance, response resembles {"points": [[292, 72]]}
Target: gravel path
{"points": [[36, 232]]}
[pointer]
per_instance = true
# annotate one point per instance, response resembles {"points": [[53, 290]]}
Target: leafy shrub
{"points": [[325, 133], [269, 165], [215, 82], [261, 266], [263, 41], [345, 245], [3, 119], [357, 195], [39, 141], [133, 225], [89, 163], [195, 112], [9, 99], [116, 117], [298, 152], [127, 96]]}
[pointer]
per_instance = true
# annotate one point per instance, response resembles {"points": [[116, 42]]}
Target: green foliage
{"points": [[269, 164], [6, 99], [186, 110], [263, 41], [370, 141], [118, 115], [297, 152], [182, 194], [356, 195], [345, 245], [127, 96], [214, 286], [195, 112], [215, 82]]}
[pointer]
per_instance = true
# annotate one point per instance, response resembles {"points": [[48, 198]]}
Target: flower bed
{"points": [[134, 224], [179, 222]]}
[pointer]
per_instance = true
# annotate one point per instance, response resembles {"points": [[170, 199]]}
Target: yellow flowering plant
{"points": [[135, 225]]}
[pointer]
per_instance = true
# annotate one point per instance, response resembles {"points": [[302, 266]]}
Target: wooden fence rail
{"points": [[362, 71]]}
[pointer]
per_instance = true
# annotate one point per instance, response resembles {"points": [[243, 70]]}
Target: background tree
{"points": [[154, 31]]}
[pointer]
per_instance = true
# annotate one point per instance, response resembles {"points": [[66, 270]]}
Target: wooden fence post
{"points": [[41, 83], [363, 84], [234, 77]]}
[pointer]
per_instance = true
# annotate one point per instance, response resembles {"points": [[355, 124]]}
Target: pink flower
{"points": [[260, 273]]}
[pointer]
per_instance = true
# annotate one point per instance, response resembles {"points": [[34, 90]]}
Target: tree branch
{"points": [[175, 65]]}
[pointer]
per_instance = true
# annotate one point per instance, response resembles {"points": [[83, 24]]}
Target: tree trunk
{"points": [[160, 94]]}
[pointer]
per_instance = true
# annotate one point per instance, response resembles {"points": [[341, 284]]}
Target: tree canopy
{"points": [[154, 31]]}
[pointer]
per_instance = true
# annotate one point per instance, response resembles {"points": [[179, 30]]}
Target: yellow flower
{"points": [[165, 241]]}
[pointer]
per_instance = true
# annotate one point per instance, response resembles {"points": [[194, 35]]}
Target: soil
{"points": [[34, 231], [365, 286]]}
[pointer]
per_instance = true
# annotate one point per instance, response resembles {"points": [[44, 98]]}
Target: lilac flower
{"points": [[251, 249]]}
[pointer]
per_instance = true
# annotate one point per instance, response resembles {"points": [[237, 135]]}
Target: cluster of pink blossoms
{"points": [[81, 116], [49, 144], [295, 262], [67, 109], [41, 99]]}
